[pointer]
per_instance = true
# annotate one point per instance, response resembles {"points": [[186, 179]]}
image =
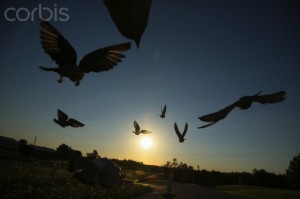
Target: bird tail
{"points": [[48, 69]]}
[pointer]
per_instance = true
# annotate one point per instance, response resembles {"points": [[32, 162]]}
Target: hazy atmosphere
{"points": [[196, 57]]}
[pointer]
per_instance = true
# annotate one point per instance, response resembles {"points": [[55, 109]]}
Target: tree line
{"points": [[187, 174]]}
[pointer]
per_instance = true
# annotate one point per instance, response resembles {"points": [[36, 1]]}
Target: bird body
{"points": [[181, 135], [243, 103], [137, 129], [62, 52], [73, 72], [64, 121]]}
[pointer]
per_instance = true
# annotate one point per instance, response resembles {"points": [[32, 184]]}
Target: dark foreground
{"points": [[190, 191]]}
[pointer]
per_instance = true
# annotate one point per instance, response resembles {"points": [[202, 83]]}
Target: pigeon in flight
{"points": [[63, 120], [163, 111], [62, 52], [243, 103], [181, 136], [130, 17], [137, 129]]}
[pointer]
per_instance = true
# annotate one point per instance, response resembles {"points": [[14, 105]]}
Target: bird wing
{"points": [[104, 59], [56, 46], [185, 129], [164, 110], [271, 98], [61, 115], [177, 130], [145, 131], [130, 16], [75, 123], [206, 125], [136, 126], [219, 115], [62, 123]]}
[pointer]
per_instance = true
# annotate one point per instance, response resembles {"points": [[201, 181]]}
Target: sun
{"points": [[146, 142]]}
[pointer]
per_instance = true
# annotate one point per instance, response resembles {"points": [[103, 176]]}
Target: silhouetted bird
{"points": [[181, 136], [243, 103], [62, 52], [130, 16], [63, 120], [163, 111], [137, 129]]}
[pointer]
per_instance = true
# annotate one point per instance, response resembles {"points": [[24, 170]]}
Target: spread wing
{"points": [[164, 110], [104, 59], [145, 131], [219, 115], [216, 116], [56, 46], [271, 98], [136, 126], [206, 125], [75, 123], [177, 130], [130, 16], [185, 129], [61, 115]]}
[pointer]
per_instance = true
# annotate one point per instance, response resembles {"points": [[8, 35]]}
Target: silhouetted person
{"points": [[243, 103], [62, 52], [100, 171], [130, 17]]}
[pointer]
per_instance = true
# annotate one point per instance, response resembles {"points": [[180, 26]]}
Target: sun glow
{"points": [[146, 142]]}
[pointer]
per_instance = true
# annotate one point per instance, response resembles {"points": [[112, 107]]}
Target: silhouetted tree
{"points": [[293, 172], [64, 152], [77, 153], [24, 148], [174, 163], [260, 176]]}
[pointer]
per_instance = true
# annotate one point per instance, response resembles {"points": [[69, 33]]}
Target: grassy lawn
{"points": [[260, 192], [35, 182]]}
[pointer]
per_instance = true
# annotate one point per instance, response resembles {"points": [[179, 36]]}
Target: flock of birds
{"points": [[130, 18]]}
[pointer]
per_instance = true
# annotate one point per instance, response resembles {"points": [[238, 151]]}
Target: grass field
{"points": [[260, 192], [38, 180]]}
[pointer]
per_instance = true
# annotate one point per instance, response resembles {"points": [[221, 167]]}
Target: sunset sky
{"points": [[195, 56]]}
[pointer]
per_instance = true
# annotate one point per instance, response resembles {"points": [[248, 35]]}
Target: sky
{"points": [[195, 56]]}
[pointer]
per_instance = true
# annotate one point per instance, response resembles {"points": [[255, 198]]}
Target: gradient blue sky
{"points": [[195, 56]]}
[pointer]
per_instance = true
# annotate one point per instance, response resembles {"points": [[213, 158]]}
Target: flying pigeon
{"points": [[63, 120], [243, 103], [62, 52], [163, 111], [181, 136], [130, 17], [137, 129]]}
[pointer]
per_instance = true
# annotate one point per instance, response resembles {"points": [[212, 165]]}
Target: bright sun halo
{"points": [[146, 143]]}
